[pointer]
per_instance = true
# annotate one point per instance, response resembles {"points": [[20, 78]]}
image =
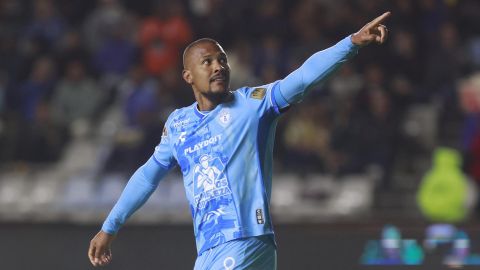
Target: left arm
{"points": [[322, 64]]}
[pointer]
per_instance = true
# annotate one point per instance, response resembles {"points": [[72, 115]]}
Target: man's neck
{"points": [[208, 103]]}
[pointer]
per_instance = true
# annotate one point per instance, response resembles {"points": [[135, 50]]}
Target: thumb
{"points": [[91, 253], [371, 37]]}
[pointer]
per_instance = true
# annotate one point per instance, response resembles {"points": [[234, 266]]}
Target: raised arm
{"points": [[322, 64], [139, 188]]}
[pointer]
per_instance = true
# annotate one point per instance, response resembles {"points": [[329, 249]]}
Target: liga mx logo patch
{"points": [[165, 131], [209, 180], [258, 93]]}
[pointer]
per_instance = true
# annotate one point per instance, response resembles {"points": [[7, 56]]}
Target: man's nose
{"points": [[218, 66]]}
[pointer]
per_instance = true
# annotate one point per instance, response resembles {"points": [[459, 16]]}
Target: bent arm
{"points": [[314, 70], [139, 188]]}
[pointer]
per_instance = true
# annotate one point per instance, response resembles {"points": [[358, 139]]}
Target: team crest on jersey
{"points": [[209, 180], [224, 117], [258, 93]]}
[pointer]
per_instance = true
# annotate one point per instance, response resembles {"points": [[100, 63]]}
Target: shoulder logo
{"points": [[258, 93], [165, 131]]}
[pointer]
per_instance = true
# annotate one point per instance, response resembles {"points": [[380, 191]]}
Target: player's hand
{"points": [[373, 31], [99, 251]]}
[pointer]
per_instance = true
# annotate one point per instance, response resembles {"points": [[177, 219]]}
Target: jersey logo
{"points": [[181, 123], [213, 140], [209, 180], [165, 131], [182, 136], [258, 93], [224, 117], [229, 263], [259, 215]]}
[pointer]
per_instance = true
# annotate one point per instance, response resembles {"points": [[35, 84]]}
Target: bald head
{"points": [[188, 50], [206, 69]]}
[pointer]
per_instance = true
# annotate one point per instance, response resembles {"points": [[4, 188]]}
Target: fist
{"points": [[99, 251]]}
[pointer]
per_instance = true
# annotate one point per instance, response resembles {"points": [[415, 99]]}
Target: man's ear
{"points": [[187, 76]]}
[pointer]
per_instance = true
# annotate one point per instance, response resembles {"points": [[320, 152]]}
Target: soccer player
{"points": [[223, 145]]}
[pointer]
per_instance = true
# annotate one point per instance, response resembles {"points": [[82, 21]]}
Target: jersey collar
{"points": [[202, 114], [198, 112]]}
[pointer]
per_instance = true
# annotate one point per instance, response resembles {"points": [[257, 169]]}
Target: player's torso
{"points": [[210, 149], [219, 159], [204, 145]]}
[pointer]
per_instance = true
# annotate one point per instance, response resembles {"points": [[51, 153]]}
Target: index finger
{"points": [[379, 19]]}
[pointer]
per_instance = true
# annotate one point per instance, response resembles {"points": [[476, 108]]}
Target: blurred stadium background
{"points": [[86, 85]]}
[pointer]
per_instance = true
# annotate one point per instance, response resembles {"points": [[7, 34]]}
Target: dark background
{"points": [[308, 246]]}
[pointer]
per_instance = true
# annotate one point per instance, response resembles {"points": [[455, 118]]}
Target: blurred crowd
{"points": [[64, 64]]}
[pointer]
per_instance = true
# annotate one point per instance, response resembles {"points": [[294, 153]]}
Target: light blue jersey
{"points": [[225, 155]]}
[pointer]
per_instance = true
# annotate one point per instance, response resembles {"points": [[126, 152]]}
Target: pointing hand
{"points": [[373, 31]]}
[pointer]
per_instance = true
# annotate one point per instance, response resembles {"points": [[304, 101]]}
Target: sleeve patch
{"points": [[258, 93], [165, 131]]}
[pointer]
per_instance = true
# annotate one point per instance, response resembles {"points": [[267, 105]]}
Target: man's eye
{"points": [[206, 61], [223, 60]]}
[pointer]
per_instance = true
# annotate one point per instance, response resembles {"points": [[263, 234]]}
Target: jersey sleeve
{"points": [[142, 183], [137, 191], [316, 69], [262, 99], [163, 154]]}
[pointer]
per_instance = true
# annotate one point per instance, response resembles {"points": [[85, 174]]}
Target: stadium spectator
{"points": [[241, 59], [47, 25], [115, 56], [107, 17], [270, 58], [71, 49], [77, 96], [38, 88], [162, 36], [39, 138], [141, 101], [141, 107], [307, 139]]}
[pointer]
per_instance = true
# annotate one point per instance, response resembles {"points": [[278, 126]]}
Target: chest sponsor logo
{"points": [[209, 180], [258, 93], [202, 144]]}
